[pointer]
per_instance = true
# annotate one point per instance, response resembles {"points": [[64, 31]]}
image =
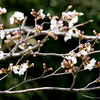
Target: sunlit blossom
{"points": [[3, 10], [16, 16]]}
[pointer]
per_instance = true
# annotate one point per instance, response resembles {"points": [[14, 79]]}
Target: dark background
{"points": [[91, 10]]}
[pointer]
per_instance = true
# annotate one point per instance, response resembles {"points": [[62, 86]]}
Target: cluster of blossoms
{"points": [[71, 17], [57, 27], [16, 36], [38, 15], [71, 59], [17, 69]]}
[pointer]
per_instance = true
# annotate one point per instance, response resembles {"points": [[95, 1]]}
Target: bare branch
{"points": [[49, 88], [89, 96], [92, 82]]}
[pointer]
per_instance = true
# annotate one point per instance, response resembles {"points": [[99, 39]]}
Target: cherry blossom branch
{"points": [[49, 88], [57, 28], [45, 32], [7, 55]]}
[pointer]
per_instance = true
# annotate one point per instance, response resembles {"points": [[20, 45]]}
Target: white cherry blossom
{"points": [[2, 34], [68, 35], [3, 10], [18, 16], [41, 14], [90, 65], [16, 69], [73, 21], [20, 69], [54, 26], [12, 20], [23, 68], [73, 59], [83, 52]]}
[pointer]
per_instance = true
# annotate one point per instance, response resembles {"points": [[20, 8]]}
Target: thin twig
{"points": [[43, 73], [5, 76], [92, 82], [19, 60], [82, 23], [73, 83], [89, 96], [25, 76]]}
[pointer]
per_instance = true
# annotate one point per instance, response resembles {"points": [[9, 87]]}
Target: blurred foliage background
{"points": [[91, 10]]}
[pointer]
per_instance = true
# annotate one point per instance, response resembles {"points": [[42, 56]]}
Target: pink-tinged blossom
{"points": [[64, 63], [90, 65], [38, 28], [1, 54], [8, 36], [42, 14]]}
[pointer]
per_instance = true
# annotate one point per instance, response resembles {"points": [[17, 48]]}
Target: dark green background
{"points": [[91, 10]]}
